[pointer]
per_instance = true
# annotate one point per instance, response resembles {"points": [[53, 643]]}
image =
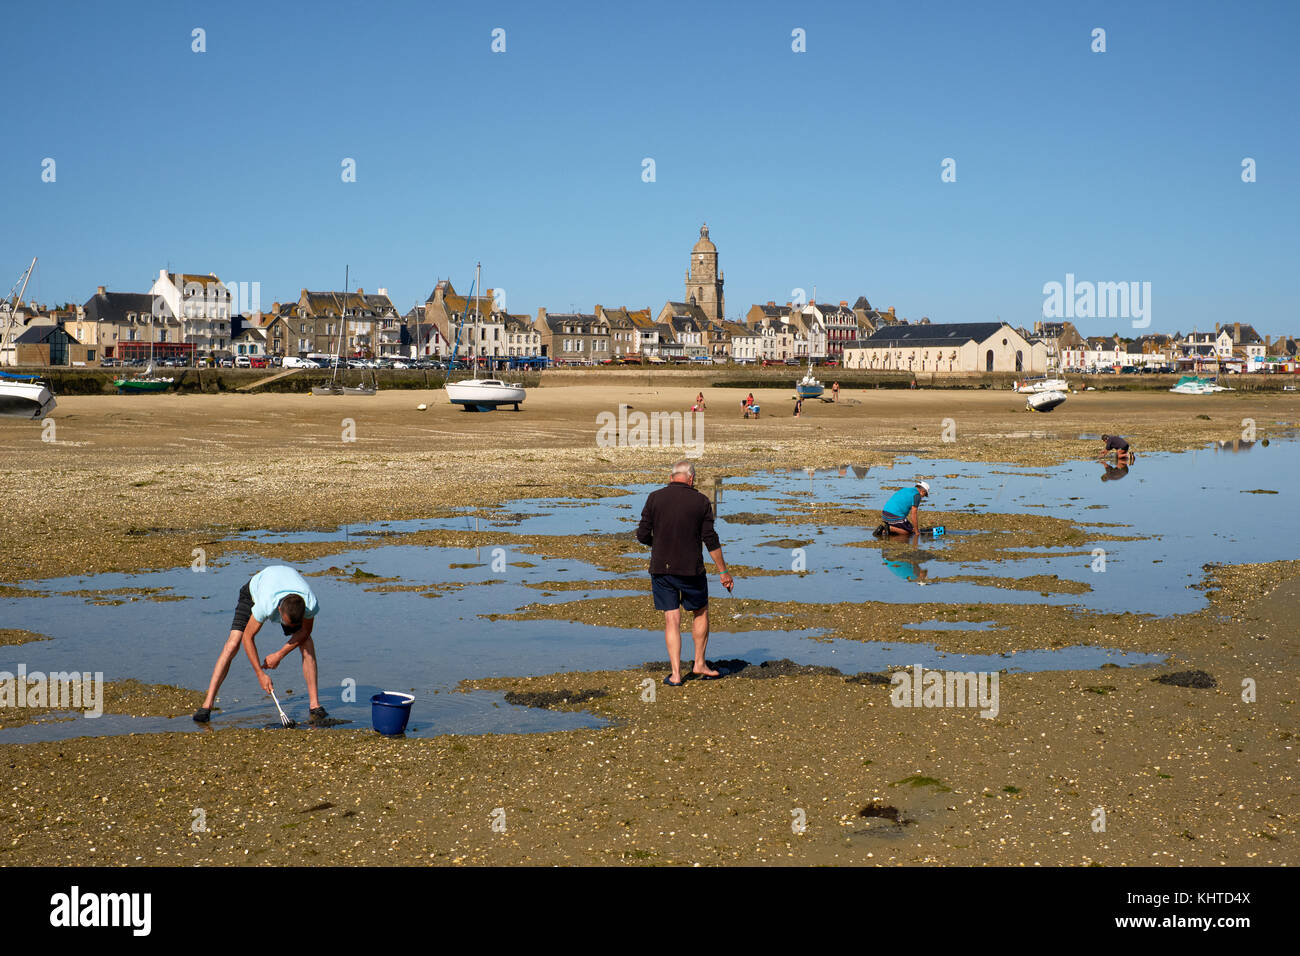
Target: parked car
{"points": [[243, 361], [293, 361]]}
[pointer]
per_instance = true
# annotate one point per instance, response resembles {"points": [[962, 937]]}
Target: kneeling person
{"points": [[900, 512], [284, 593]]}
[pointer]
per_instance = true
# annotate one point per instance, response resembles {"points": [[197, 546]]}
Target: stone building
{"points": [[949, 347]]}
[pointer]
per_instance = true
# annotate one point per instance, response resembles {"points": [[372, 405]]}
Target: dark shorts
{"points": [[244, 611], [894, 522], [689, 592]]}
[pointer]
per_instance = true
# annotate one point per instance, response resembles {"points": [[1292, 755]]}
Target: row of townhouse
{"points": [[1236, 345]]}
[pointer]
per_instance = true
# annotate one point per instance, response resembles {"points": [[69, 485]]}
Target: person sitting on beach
{"points": [[1117, 444], [284, 593], [676, 520], [900, 514]]}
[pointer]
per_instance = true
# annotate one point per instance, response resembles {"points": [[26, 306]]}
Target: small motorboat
{"points": [[1045, 401]]}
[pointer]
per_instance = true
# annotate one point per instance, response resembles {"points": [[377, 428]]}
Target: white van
{"points": [[292, 361]]}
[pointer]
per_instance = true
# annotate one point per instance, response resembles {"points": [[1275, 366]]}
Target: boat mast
{"points": [[478, 311], [11, 310]]}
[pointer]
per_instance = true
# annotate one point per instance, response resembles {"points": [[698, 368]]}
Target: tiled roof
{"points": [[114, 306], [955, 333]]}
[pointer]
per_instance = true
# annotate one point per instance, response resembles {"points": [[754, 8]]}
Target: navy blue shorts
{"points": [[244, 611], [689, 592], [897, 522]]}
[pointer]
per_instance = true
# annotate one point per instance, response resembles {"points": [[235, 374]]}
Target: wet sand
{"points": [[714, 772], [136, 482]]}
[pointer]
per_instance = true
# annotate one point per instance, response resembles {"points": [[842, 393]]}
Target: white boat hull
{"points": [[484, 395], [25, 399], [1045, 401]]}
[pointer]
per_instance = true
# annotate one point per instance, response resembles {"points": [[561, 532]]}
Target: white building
{"points": [[202, 303]]}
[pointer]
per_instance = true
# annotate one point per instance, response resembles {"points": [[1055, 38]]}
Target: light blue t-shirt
{"points": [[271, 586], [902, 501]]}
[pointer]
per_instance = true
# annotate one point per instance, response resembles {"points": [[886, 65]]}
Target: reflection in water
{"points": [[1114, 473], [907, 564], [1235, 445]]}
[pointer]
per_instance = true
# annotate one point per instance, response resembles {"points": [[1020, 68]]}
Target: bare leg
{"points": [[308, 651], [700, 634], [222, 667], [673, 638]]}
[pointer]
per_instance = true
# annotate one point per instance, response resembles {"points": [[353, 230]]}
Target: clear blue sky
{"points": [[820, 168]]}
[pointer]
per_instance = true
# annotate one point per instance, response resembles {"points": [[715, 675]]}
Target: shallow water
{"points": [[1192, 504]]}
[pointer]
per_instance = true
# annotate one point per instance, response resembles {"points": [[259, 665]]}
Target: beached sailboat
{"points": [[479, 394], [148, 382], [21, 396], [335, 387], [1045, 401], [1043, 383], [808, 386], [1196, 385], [25, 396]]}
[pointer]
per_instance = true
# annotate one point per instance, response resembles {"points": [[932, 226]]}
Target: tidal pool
{"points": [[1190, 508]]}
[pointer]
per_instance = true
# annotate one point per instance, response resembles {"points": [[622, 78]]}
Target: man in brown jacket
{"points": [[676, 520]]}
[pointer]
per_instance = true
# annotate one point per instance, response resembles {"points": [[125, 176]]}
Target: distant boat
{"points": [[1195, 385], [484, 394], [1043, 383], [479, 394], [334, 387], [1045, 401], [21, 396], [25, 396], [808, 386], [148, 382]]}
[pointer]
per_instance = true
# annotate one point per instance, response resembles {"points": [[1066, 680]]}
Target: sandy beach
{"points": [[795, 765]]}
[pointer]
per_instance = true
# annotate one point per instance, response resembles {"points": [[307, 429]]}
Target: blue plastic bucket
{"points": [[390, 711]]}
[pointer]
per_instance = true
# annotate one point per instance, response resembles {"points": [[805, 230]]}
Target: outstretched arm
{"points": [[250, 648]]}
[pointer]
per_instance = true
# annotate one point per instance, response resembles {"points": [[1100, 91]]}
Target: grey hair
{"points": [[684, 467]]}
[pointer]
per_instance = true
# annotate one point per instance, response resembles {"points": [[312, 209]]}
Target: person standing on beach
{"points": [[276, 591], [835, 392], [901, 512], [1118, 445], [675, 522]]}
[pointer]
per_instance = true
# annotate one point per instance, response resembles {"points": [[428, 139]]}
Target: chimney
{"points": [[843, 304], [1216, 328], [361, 291], [1236, 333], [101, 291], [770, 302], [382, 291]]}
